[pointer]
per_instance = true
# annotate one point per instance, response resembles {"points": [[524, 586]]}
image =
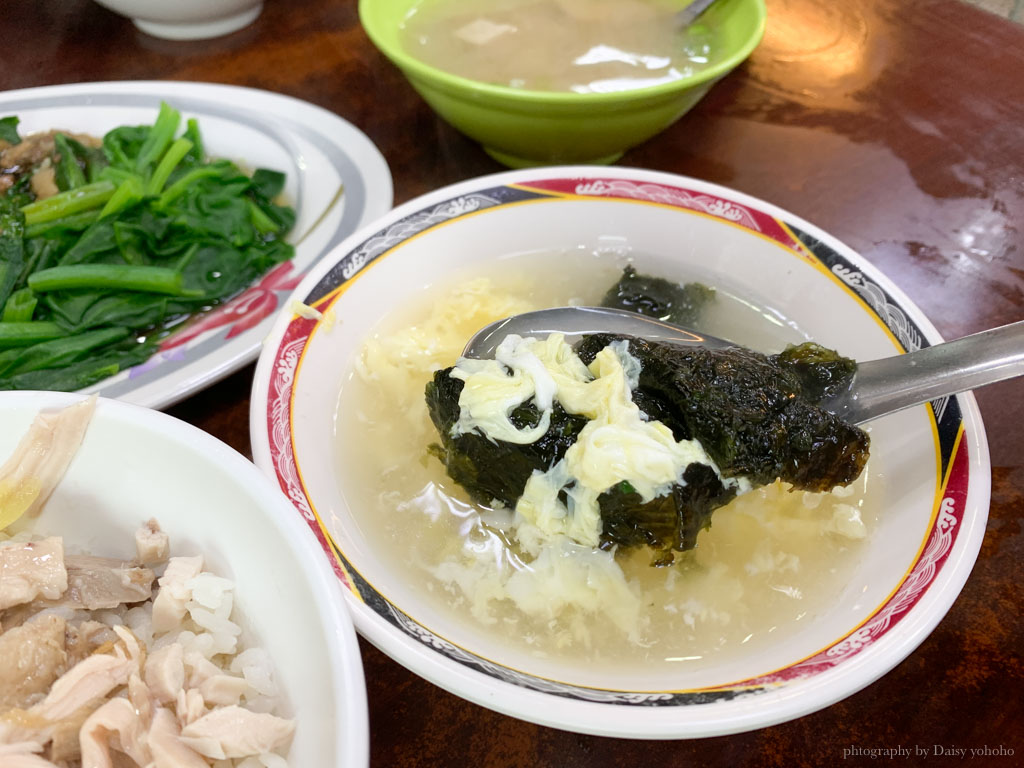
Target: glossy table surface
{"points": [[896, 125]]}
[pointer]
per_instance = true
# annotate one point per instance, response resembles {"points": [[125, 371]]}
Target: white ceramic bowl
{"points": [[136, 463], [929, 464], [187, 19]]}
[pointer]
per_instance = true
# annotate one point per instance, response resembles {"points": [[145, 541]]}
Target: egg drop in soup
{"points": [[586, 46], [772, 558]]}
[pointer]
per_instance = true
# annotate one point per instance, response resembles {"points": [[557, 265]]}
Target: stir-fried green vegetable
{"points": [[143, 232]]}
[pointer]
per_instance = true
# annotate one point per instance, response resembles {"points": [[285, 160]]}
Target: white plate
{"points": [[929, 464], [337, 180]]}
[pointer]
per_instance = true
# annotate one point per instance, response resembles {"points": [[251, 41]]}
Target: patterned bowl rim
{"points": [[854, 660]]}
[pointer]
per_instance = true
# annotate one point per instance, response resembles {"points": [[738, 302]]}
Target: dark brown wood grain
{"points": [[897, 125]]}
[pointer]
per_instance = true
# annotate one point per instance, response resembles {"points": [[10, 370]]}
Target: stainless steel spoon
{"points": [[879, 387], [692, 12]]}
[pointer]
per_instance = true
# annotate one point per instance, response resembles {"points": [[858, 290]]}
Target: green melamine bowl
{"points": [[522, 128]]}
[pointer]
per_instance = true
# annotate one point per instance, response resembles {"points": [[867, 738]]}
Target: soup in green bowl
{"points": [[539, 82]]}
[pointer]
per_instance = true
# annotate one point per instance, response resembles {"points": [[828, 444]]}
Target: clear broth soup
{"points": [[586, 46], [771, 558]]}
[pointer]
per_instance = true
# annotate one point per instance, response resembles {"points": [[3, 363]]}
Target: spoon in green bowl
{"points": [[878, 388], [692, 12]]}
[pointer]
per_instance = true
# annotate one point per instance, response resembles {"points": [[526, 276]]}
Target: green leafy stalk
{"points": [[98, 365], [168, 163], [9, 272], [40, 253], [69, 173], [73, 201], [178, 187], [128, 193], [119, 175], [196, 153], [186, 257], [19, 307], [159, 138], [12, 249], [76, 222], [263, 223], [109, 277], [92, 159], [27, 334], [76, 376], [60, 351]]}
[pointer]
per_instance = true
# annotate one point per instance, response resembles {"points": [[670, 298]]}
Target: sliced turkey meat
{"points": [[152, 546], [30, 570], [100, 582], [85, 683], [32, 656], [166, 746], [235, 732], [42, 457]]}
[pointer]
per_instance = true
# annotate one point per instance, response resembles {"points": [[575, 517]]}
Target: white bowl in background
{"points": [[187, 19], [934, 458], [135, 464]]}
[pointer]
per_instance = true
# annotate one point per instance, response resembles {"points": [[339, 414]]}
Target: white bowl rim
{"points": [[742, 713], [345, 672]]}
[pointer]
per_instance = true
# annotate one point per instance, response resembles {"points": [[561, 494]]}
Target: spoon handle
{"points": [[894, 383], [691, 13], [580, 321]]}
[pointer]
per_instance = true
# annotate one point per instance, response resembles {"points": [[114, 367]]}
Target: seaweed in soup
{"points": [[493, 470], [665, 524], [657, 297], [755, 415]]}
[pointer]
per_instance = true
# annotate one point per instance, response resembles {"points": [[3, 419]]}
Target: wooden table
{"points": [[896, 125]]}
